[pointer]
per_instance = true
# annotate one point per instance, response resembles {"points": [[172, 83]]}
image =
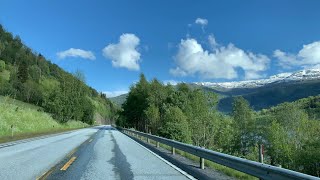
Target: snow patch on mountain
{"points": [[302, 75]]}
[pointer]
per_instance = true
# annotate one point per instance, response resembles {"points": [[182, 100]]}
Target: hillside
{"points": [[25, 120], [29, 77], [264, 93], [262, 97], [119, 100]]}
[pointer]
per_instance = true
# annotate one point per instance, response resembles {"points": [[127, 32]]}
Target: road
{"points": [[93, 153]]}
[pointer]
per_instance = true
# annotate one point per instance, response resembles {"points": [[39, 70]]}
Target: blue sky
{"points": [[112, 42]]}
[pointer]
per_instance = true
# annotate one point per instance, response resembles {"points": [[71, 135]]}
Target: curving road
{"points": [[93, 153]]}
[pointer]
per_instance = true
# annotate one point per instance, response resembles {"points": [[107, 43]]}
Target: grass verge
{"points": [[19, 120]]}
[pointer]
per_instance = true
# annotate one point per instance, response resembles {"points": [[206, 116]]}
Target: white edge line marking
{"points": [[169, 163]]}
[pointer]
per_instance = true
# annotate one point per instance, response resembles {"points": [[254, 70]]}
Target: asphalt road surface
{"points": [[93, 153]]}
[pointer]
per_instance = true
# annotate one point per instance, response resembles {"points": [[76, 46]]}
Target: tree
{"points": [[287, 134], [31, 93], [243, 124], [80, 75], [136, 104], [23, 72], [35, 73], [2, 65], [153, 117], [176, 125], [198, 107]]}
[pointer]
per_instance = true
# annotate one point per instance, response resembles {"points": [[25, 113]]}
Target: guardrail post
{"points": [[148, 140], [173, 150], [158, 145], [201, 163], [261, 152]]}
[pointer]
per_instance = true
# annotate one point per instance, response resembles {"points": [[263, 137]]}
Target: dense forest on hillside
{"points": [[290, 132], [29, 77], [268, 96]]}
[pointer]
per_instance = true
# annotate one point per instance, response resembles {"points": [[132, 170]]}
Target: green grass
{"points": [[18, 103], [27, 121], [225, 170]]}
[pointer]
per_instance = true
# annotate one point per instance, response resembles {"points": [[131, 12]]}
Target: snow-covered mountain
{"points": [[302, 75]]}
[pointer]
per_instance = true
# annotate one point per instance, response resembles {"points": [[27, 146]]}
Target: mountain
{"points": [[119, 100], [261, 93], [264, 93], [303, 75]]}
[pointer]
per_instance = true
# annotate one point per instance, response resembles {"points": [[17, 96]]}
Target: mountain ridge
{"points": [[261, 93], [301, 75]]}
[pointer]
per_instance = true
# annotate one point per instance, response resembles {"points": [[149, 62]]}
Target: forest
{"points": [[28, 76], [290, 132]]}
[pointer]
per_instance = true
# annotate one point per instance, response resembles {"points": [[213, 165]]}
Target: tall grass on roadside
{"points": [[26, 119]]}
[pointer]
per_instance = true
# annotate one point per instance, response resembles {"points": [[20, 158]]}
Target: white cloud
{"points": [[309, 55], [212, 41], [110, 94], [125, 53], [221, 62], [72, 52], [201, 21]]}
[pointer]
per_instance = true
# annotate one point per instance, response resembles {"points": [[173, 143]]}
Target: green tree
{"points": [[35, 73], [136, 104], [243, 125], [23, 72], [2, 65], [176, 125], [80, 75], [153, 118]]}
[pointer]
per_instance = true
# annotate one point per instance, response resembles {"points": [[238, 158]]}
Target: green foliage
{"points": [[119, 100], [2, 66], [29, 77], [175, 125], [23, 72], [188, 114], [153, 118], [243, 125]]}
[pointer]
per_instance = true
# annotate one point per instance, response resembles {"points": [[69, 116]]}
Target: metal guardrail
{"points": [[260, 170]]}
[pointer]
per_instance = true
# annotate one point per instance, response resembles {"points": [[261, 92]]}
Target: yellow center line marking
{"points": [[45, 175], [72, 152], [90, 140], [66, 166]]}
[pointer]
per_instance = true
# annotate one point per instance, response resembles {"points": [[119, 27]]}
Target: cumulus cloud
{"points": [[308, 56], [201, 21], [220, 62], [110, 94], [72, 52], [124, 53]]}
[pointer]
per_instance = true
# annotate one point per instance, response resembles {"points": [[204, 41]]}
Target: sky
{"points": [[113, 41]]}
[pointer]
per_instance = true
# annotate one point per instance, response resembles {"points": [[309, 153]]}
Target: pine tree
{"points": [[23, 72]]}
